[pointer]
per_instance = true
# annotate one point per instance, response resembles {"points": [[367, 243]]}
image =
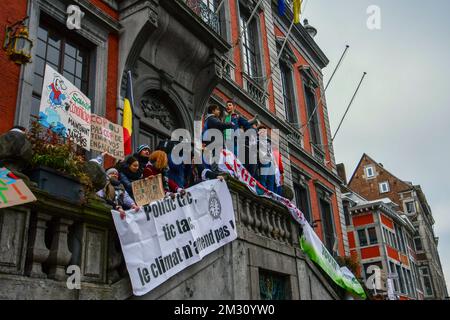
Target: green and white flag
{"points": [[317, 252]]}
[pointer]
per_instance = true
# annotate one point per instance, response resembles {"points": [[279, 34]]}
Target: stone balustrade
{"points": [[39, 241]]}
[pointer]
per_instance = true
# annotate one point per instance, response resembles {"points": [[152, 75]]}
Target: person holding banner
{"points": [[114, 193], [129, 172]]}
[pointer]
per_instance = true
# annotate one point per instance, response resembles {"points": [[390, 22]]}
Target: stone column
{"points": [[59, 252], [38, 251]]}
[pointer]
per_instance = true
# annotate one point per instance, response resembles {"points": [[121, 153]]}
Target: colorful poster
{"points": [[65, 109], [107, 137], [13, 191], [169, 235], [148, 190]]}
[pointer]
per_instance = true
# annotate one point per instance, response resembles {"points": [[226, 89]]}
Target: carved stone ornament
{"points": [[156, 110]]}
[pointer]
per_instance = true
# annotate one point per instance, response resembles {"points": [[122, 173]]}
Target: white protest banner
{"points": [[148, 190], [107, 137], [230, 164], [13, 191], [65, 109], [310, 242], [169, 235]]}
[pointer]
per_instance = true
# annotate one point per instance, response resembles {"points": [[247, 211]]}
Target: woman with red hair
{"points": [[159, 164]]}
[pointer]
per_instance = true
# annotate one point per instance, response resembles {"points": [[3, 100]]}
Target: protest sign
{"points": [[13, 191], [65, 109], [107, 137], [148, 190], [310, 242], [169, 235]]}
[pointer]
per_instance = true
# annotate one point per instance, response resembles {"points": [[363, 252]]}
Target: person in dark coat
{"points": [[130, 172]]}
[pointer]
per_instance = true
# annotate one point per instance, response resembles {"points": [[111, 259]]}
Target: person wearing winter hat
{"points": [[143, 154], [114, 193]]}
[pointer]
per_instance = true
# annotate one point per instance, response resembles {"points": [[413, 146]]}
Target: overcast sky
{"points": [[401, 116]]}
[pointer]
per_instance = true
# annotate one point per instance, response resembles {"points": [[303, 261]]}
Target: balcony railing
{"points": [[255, 91], [205, 13], [229, 69]]}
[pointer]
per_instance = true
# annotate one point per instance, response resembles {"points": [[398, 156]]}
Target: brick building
{"points": [[373, 182], [172, 89]]}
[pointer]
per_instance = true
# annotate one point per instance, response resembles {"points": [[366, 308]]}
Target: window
{"points": [[314, 127], [411, 286], [362, 238], [370, 173], [327, 224], [249, 44], [425, 272], [394, 275], [347, 214], [418, 244], [400, 279], [367, 237], [302, 200], [372, 235], [401, 242], [288, 94], [64, 55], [384, 187], [410, 207], [272, 286]]}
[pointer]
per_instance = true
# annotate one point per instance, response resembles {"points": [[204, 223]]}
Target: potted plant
{"points": [[57, 166]]}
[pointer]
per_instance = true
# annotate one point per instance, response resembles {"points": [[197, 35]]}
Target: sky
{"points": [[401, 116]]}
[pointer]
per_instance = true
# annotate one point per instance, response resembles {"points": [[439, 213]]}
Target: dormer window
{"points": [[370, 172], [384, 187]]}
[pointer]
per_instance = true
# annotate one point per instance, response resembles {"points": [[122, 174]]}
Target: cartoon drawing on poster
{"points": [[65, 109]]}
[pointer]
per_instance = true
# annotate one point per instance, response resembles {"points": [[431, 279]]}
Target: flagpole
{"points": [[348, 108], [329, 81], [219, 6], [337, 66]]}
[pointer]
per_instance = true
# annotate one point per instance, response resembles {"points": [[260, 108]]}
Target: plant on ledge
{"points": [[58, 153]]}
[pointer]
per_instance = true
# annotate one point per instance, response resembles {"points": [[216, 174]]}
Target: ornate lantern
{"points": [[17, 43]]}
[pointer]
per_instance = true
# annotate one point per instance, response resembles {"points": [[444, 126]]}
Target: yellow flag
{"points": [[297, 10]]}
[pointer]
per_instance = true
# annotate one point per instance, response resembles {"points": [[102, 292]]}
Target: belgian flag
{"points": [[127, 121]]}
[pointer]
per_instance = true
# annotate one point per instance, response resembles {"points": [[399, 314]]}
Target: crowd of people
{"points": [[178, 175]]}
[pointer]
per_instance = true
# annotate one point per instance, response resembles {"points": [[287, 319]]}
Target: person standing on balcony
{"points": [[266, 164], [212, 121], [115, 195], [159, 164], [130, 172], [142, 155], [238, 122]]}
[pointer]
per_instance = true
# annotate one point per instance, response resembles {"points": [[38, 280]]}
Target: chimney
{"points": [[309, 28], [341, 172]]}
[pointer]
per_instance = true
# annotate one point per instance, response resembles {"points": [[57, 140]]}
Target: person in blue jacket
{"points": [[238, 122]]}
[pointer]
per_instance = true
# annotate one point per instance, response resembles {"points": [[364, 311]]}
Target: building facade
{"points": [[373, 182], [185, 54]]}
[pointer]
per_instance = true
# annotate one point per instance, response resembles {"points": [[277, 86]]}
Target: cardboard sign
{"points": [[65, 109], [148, 190], [107, 137], [13, 192]]}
